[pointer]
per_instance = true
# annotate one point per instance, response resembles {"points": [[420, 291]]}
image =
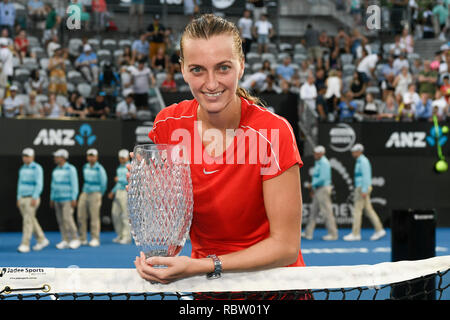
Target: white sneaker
{"points": [[41, 245], [304, 235], [74, 244], [352, 237], [62, 245], [378, 235], [23, 248], [125, 241], [329, 237], [116, 239], [94, 243]]}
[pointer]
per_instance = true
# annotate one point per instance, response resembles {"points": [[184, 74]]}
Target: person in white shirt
{"points": [[52, 108], [126, 109], [439, 105], [6, 65], [12, 106], [142, 79], [308, 93], [366, 67], [255, 81], [245, 25], [411, 96], [400, 62], [263, 31]]}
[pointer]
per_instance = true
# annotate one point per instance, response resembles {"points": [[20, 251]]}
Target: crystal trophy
{"points": [[160, 199]]}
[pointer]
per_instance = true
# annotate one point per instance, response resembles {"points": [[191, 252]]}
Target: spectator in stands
{"points": [[140, 48], [156, 31], [358, 86], [87, 63], [12, 105], [7, 66], [9, 40], [254, 82], [285, 71], [427, 79], [22, 45], [245, 25], [109, 82], [312, 44], [411, 96], [126, 80], [270, 85], [57, 72], [439, 106], [342, 41], [160, 61], [367, 66], [355, 11], [388, 109], [7, 16], [100, 11], [259, 9], [136, 13], [191, 8], [304, 71], [445, 87], [320, 77], [36, 83], [423, 110], [347, 107], [400, 62], [142, 79], [126, 109], [267, 68], [397, 48], [52, 45], [33, 109], [308, 93], [174, 62], [53, 109], [36, 12], [126, 57], [441, 13], [401, 83], [370, 109], [358, 42], [263, 31], [77, 106], [52, 23], [322, 106], [334, 87], [99, 107], [407, 40], [427, 22], [169, 84]]}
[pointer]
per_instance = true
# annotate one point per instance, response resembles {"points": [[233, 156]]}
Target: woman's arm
{"points": [[283, 203]]}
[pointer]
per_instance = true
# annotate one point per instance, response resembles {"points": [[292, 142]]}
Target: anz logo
{"points": [[65, 137], [417, 139]]}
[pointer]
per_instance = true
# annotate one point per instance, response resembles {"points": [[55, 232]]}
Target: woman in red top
{"points": [[244, 164]]}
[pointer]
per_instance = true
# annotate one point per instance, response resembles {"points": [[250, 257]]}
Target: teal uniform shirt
{"points": [[121, 174], [64, 185], [321, 173], [363, 173], [31, 181], [95, 179]]}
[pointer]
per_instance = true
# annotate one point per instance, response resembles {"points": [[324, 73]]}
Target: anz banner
{"points": [[402, 156], [46, 136]]}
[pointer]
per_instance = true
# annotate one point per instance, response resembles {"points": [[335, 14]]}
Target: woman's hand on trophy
{"points": [[175, 267]]}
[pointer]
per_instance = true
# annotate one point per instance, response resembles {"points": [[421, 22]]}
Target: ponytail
{"points": [[242, 93]]}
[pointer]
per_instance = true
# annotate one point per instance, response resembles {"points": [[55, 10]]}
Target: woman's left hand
{"points": [[175, 268]]}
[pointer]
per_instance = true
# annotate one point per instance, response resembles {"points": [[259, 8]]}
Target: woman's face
{"points": [[212, 69]]}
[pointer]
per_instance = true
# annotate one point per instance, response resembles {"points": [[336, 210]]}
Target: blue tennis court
{"points": [[316, 252]]}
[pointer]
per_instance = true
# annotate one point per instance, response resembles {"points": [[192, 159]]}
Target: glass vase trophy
{"points": [[160, 199]]}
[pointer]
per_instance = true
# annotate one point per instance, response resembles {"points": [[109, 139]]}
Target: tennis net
{"points": [[420, 279]]}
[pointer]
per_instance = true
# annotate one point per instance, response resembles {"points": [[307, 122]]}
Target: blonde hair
{"points": [[208, 25]]}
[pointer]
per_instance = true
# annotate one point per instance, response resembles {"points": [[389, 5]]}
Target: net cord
{"points": [[99, 280]]}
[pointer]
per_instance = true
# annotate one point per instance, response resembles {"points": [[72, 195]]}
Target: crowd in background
{"points": [[338, 77]]}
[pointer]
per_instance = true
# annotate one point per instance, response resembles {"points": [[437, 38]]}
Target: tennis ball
{"points": [[444, 129], [441, 166]]}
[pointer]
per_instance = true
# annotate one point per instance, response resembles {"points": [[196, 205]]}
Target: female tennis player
{"points": [[247, 213]]}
